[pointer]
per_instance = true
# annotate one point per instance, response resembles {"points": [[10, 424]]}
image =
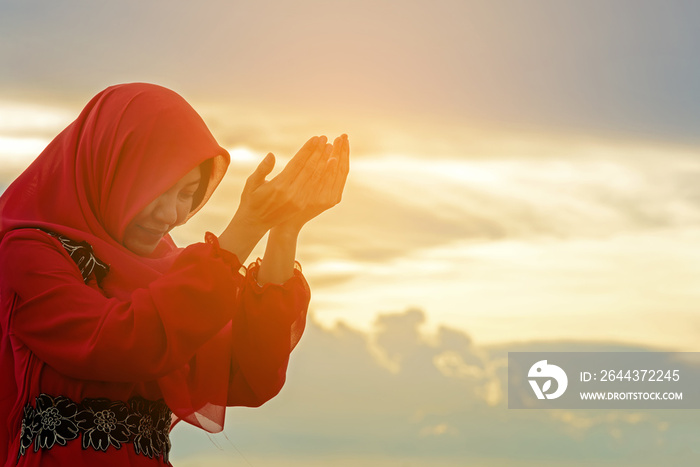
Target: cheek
{"points": [[183, 210], [143, 214]]}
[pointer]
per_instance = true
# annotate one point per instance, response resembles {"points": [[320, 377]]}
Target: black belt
{"points": [[100, 422]]}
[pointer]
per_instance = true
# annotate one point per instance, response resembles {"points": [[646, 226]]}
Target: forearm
{"points": [[240, 237], [278, 261]]}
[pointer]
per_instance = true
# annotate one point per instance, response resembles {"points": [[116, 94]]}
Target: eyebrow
{"points": [[194, 183]]}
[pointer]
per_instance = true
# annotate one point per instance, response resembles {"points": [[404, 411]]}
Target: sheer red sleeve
{"points": [[209, 335], [246, 363]]}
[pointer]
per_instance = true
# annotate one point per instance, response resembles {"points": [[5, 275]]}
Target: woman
{"points": [[110, 333]]}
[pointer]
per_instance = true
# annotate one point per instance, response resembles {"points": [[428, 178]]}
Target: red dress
{"points": [[200, 337]]}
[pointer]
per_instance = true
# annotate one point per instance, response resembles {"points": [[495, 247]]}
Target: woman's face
{"points": [[170, 209]]}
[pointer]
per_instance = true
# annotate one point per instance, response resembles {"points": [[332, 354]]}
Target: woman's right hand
{"points": [[266, 203]]}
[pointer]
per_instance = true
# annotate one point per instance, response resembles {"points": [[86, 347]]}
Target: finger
{"points": [[345, 155], [313, 187], [337, 146], [257, 178], [328, 193], [331, 169], [290, 188], [311, 173], [297, 163], [343, 168], [327, 168]]}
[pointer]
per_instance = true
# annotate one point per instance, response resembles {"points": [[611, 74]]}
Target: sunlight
{"points": [[243, 155], [25, 117], [20, 150]]}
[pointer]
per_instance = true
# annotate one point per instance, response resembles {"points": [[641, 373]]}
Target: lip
{"points": [[153, 232]]}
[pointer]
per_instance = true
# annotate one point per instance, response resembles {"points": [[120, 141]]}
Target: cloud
{"points": [[511, 248], [396, 205], [623, 68], [341, 403]]}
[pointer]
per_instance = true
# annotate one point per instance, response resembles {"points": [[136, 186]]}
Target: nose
{"points": [[166, 210]]}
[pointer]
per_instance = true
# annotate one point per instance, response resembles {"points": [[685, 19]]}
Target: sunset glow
{"points": [[524, 176]]}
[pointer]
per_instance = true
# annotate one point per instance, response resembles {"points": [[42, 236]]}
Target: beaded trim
{"points": [[100, 422]]}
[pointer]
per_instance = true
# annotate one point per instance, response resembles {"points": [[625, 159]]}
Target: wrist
{"points": [[285, 231], [243, 227], [241, 236], [278, 261]]}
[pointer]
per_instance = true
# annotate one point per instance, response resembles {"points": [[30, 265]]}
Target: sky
{"points": [[523, 174]]}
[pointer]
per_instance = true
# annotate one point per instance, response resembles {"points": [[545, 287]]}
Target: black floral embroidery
{"points": [[54, 421], [152, 432], [105, 423], [101, 422], [27, 431], [85, 259]]}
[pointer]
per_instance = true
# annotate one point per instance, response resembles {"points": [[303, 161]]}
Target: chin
{"points": [[140, 248]]}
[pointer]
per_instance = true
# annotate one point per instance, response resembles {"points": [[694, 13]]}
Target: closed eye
{"points": [[190, 189], [186, 195]]}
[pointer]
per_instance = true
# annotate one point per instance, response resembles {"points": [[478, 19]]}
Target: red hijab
{"points": [[130, 143]]}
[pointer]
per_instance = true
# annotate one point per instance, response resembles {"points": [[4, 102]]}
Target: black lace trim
{"points": [[100, 422], [85, 259]]}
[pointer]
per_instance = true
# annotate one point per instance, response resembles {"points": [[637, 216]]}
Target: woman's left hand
{"points": [[329, 190]]}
